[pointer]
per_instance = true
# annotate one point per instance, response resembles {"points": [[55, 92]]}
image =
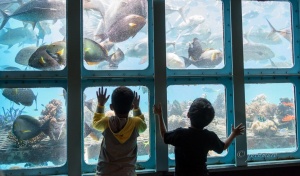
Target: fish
{"points": [[209, 90], [24, 96], [24, 54], [46, 10], [191, 23], [138, 50], [288, 118], [115, 16], [57, 50], [208, 59], [289, 104], [44, 29], [195, 49], [93, 53], [20, 35], [170, 9], [258, 35], [96, 5], [10, 68], [174, 61], [251, 14], [125, 28], [116, 58], [257, 52], [285, 33], [261, 119], [43, 60], [26, 127], [202, 32]]}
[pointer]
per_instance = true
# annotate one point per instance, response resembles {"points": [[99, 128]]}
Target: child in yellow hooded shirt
{"points": [[118, 153]]}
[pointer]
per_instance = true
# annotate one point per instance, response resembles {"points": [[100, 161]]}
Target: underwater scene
{"points": [[93, 138], [179, 104], [115, 34], [270, 118], [32, 35], [32, 127], [267, 34], [195, 36]]}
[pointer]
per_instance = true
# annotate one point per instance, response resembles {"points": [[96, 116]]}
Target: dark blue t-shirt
{"points": [[191, 148]]}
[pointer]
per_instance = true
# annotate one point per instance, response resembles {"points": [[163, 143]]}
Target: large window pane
{"points": [[179, 103], [32, 35], [194, 34], [93, 138], [32, 127], [115, 34], [267, 34], [270, 118]]}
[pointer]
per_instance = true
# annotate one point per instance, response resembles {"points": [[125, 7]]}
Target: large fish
{"points": [[125, 28], [24, 96], [257, 52], [37, 10], [173, 61], [121, 13], [57, 50], [27, 127], [286, 33], [258, 35], [208, 59], [20, 36], [43, 60], [24, 54]]}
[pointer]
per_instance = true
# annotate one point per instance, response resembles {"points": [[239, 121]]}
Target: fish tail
{"points": [[272, 63], [180, 11], [272, 27], [187, 62], [36, 101], [5, 19]]}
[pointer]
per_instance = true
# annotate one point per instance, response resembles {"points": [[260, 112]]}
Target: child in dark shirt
{"points": [[192, 144]]}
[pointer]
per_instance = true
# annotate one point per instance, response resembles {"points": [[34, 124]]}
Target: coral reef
{"points": [[265, 129], [175, 108], [9, 115]]}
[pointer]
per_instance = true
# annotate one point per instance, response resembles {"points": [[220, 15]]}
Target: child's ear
{"points": [[111, 107]]}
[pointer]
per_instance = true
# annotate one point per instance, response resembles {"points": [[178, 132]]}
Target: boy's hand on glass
{"points": [[101, 96], [157, 109], [136, 101], [239, 130]]}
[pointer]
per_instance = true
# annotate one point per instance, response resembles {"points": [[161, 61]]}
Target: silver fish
{"points": [[174, 61], [286, 33], [46, 10], [20, 35], [24, 54], [257, 52], [258, 35]]}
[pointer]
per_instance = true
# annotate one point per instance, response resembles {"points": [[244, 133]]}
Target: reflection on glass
{"points": [[32, 128], [32, 35], [115, 34], [194, 34], [93, 138], [179, 103], [270, 118], [267, 34]]}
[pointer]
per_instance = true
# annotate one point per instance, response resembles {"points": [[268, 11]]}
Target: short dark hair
{"points": [[201, 113], [121, 100]]}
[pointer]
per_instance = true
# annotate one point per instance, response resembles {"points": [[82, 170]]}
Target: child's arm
{"points": [[158, 111], [234, 133], [141, 125], [99, 122]]}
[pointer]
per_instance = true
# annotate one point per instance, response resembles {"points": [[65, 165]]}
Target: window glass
{"points": [[93, 138], [32, 35], [115, 34], [32, 127], [267, 34], [270, 118], [179, 103], [194, 34]]}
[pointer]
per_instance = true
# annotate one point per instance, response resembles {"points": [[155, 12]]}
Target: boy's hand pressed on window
{"points": [[136, 100], [101, 96], [239, 130], [157, 109]]}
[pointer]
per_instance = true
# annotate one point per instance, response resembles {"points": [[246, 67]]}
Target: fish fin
{"points": [[36, 101], [5, 19], [187, 61], [272, 63], [46, 127], [271, 26], [180, 11]]}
